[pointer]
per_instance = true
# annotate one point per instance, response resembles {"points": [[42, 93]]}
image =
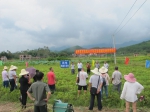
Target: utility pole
{"points": [[114, 47]]}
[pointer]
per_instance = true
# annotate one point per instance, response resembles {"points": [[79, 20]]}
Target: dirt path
{"points": [[16, 107]]}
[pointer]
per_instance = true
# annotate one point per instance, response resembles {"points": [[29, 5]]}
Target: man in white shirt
{"points": [[79, 66], [106, 65], [82, 81], [72, 68], [97, 65], [116, 80], [95, 81]]}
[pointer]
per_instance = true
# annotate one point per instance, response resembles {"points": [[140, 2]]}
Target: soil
{"points": [[16, 107]]}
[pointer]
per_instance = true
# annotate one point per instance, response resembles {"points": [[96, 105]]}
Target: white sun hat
{"points": [[12, 67], [95, 71], [23, 72], [103, 70]]}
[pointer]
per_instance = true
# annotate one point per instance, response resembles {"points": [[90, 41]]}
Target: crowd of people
{"points": [[99, 81], [40, 92]]}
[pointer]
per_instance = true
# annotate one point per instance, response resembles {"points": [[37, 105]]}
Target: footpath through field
{"points": [[16, 107]]}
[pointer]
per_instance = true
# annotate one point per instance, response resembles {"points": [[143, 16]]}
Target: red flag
{"points": [[127, 60], [26, 64]]}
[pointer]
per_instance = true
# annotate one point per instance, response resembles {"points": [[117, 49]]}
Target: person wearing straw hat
{"points": [[5, 77], [24, 86], [130, 90], [12, 77], [106, 79], [95, 82]]}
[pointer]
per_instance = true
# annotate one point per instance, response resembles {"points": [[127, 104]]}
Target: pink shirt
{"points": [[51, 78]]}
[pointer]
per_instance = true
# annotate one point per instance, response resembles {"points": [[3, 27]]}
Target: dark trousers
{"points": [[12, 84], [72, 71], [88, 71], [98, 100], [6, 84], [79, 69], [24, 96], [40, 108], [52, 88], [117, 87]]}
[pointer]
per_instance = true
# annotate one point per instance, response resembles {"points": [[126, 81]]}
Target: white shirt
{"points": [[117, 76], [79, 65], [97, 65], [106, 65], [72, 66], [94, 80], [11, 74], [130, 91], [82, 78], [5, 75]]}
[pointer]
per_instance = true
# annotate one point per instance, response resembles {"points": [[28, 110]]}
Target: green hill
{"points": [[143, 47], [72, 49]]}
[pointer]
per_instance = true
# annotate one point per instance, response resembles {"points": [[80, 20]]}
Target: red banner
{"points": [[97, 51]]}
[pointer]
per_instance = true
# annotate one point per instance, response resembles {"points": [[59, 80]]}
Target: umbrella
{"points": [[32, 71]]}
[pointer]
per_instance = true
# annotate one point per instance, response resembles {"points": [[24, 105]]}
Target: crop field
{"points": [[66, 88]]}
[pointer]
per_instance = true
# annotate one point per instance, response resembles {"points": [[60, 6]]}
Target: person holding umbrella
{"points": [[24, 86]]}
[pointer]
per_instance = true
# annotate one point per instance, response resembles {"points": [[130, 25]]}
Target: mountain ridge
{"points": [[131, 47]]}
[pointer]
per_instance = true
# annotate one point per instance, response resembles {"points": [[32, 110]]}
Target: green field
{"points": [[66, 88]]}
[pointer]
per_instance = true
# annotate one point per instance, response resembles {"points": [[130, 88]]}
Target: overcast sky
{"points": [[30, 24]]}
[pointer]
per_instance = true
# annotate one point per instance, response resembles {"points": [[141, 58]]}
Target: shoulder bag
{"points": [[93, 89]]}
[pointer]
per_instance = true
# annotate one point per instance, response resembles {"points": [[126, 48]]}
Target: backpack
{"points": [[104, 81]]}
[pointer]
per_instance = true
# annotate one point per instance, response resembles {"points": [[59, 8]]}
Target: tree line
{"points": [[40, 52]]}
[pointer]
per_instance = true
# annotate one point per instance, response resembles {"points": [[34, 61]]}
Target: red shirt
{"points": [[51, 78]]}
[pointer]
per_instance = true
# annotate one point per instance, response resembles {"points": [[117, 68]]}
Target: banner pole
{"points": [[114, 47]]}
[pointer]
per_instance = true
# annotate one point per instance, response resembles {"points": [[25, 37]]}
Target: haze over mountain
{"points": [[143, 47], [125, 44]]}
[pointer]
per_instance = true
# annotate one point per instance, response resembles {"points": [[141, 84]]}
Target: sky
{"points": [[33, 24]]}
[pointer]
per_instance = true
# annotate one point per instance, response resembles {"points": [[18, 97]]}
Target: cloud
{"points": [[36, 23]]}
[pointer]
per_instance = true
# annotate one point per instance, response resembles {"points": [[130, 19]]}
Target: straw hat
{"points": [[95, 71], [23, 72], [103, 70], [130, 77], [12, 67], [5, 68]]}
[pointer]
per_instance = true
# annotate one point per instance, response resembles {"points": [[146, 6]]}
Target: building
{"points": [[3, 58]]}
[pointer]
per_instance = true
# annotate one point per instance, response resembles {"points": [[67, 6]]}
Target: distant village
{"points": [[21, 58]]}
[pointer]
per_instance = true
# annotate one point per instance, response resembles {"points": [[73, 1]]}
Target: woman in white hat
{"points": [[95, 82], [103, 72], [5, 77], [24, 86], [130, 90], [12, 77]]}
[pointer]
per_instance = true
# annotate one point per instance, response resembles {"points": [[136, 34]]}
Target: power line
{"points": [[131, 16], [125, 17]]}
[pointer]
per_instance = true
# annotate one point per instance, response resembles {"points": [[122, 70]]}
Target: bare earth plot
{"points": [[16, 107]]}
